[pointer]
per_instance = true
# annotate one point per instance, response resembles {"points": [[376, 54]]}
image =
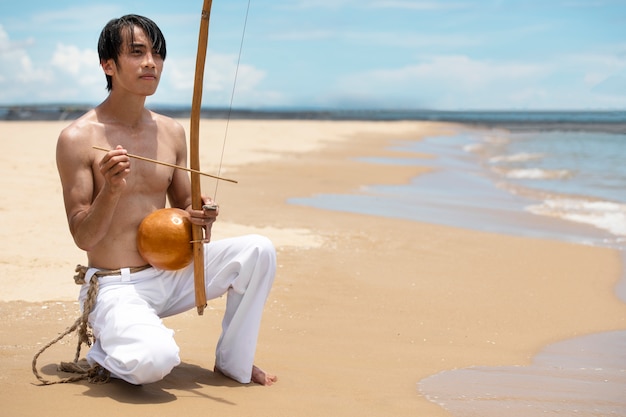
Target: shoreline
{"points": [[363, 308]]}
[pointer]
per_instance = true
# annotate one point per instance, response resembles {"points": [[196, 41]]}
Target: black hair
{"points": [[111, 37]]}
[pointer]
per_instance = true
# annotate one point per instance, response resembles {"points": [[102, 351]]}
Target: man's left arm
{"points": [[179, 191]]}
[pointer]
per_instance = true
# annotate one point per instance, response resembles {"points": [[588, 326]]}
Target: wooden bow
{"points": [[194, 154]]}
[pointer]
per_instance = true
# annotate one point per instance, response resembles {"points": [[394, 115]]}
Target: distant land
{"points": [[600, 120]]}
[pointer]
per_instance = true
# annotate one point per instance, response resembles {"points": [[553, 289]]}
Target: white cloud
{"points": [[460, 82], [18, 73], [304, 35], [80, 63], [594, 78], [317, 4], [77, 19], [73, 74], [70, 74], [78, 76], [422, 5], [27, 72], [597, 68], [395, 39], [460, 72], [179, 74], [614, 85], [219, 76], [417, 5]]}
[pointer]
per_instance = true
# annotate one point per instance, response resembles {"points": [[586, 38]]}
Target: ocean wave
{"points": [[536, 174], [474, 147], [604, 215], [518, 157], [496, 140]]}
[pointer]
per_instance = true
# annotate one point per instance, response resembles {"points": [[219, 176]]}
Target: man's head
{"points": [[110, 44]]}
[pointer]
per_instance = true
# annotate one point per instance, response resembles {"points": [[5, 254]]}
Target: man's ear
{"points": [[108, 66]]}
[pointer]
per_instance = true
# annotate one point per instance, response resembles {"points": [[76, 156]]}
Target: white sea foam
{"points": [[496, 140], [604, 215], [518, 157], [474, 147], [537, 174]]}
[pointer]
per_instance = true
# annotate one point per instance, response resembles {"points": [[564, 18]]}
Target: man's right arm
{"points": [[89, 208]]}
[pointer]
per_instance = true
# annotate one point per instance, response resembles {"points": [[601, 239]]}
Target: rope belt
{"points": [[81, 270], [94, 374]]}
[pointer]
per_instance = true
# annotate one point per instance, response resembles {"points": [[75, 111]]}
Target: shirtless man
{"points": [[107, 197]]}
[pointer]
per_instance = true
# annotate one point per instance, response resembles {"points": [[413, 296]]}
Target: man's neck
{"points": [[127, 111]]}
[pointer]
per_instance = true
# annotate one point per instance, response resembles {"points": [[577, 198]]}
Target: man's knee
{"points": [[153, 361], [265, 248]]}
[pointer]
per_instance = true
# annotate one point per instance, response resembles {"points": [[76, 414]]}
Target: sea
{"points": [[554, 175], [545, 175], [572, 174]]}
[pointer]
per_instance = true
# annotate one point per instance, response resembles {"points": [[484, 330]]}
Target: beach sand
{"points": [[362, 308]]}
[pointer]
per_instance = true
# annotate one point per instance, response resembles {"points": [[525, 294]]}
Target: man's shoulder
{"points": [[83, 126], [161, 118]]}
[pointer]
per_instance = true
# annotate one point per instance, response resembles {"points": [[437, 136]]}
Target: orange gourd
{"points": [[164, 239]]}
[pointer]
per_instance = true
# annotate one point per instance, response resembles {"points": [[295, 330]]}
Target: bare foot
{"points": [[261, 377]]}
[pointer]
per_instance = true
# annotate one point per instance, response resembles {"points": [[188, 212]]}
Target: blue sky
{"points": [[381, 54]]}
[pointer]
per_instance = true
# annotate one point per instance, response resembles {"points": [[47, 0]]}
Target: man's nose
{"points": [[149, 60]]}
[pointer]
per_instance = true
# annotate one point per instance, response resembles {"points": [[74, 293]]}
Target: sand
{"points": [[362, 309]]}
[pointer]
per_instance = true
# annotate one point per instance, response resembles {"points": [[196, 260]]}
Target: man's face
{"points": [[138, 68]]}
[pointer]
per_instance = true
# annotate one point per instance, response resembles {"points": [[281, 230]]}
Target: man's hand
{"points": [[205, 217], [115, 167]]}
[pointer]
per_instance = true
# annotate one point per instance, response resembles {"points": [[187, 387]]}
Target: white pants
{"points": [[133, 343]]}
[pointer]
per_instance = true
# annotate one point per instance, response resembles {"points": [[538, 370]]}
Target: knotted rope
{"points": [[95, 374]]}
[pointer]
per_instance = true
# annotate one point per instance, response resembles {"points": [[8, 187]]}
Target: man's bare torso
{"points": [[147, 185]]}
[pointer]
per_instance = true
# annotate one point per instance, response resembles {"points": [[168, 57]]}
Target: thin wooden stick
{"points": [[167, 164]]}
